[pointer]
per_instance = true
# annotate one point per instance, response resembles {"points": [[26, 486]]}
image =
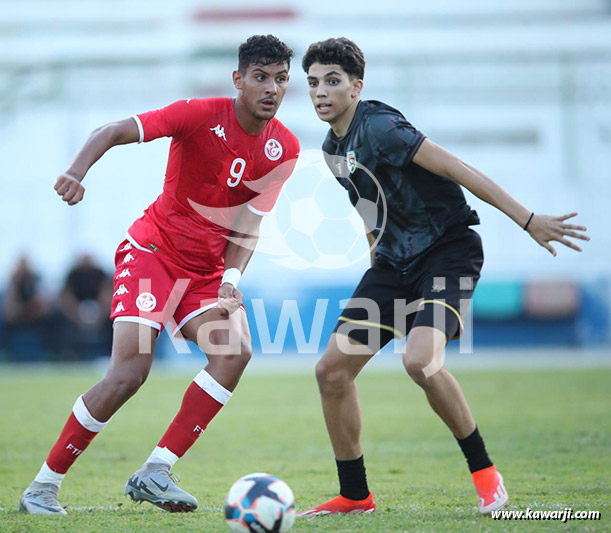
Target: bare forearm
{"points": [[489, 191], [99, 142], [239, 250], [542, 228], [441, 162], [237, 255], [242, 240], [68, 184]]}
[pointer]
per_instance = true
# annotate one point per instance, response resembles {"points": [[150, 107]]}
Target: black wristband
{"points": [[528, 221]]}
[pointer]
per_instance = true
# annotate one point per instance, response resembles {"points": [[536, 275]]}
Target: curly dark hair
{"points": [[341, 51], [263, 50]]}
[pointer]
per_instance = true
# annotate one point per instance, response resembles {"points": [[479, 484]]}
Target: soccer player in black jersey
{"points": [[425, 254]]}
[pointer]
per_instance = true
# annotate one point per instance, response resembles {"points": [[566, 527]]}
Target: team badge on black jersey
{"points": [[351, 160]]}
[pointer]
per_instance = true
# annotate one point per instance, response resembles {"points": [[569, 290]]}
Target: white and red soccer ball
{"points": [[260, 503]]}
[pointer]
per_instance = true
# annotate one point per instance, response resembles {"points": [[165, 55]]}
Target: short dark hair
{"points": [[263, 50], [340, 51]]}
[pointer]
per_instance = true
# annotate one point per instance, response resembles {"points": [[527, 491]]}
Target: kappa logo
{"points": [[220, 131], [273, 150], [128, 246], [146, 302], [120, 308], [437, 288], [129, 257], [124, 273], [121, 290], [351, 160]]}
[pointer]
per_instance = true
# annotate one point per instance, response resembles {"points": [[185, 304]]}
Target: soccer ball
{"points": [[259, 503], [315, 223]]}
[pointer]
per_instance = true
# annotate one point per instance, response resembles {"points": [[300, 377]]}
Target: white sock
{"points": [[85, 418], [46, 475], [163, 455]]}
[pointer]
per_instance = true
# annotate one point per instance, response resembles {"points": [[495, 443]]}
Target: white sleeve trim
{"points": [[82, 414], [140, 128], [208, 384], [256, 211]]}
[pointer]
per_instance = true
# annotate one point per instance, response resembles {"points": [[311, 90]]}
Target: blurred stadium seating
{"points": [[520, 89]]}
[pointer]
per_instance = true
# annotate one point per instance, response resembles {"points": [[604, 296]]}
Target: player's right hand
{"points": [[230, 299], [70, 189]]}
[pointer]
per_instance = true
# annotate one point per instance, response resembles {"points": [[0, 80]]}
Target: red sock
{"points": [[78, 432], [202, 401]]}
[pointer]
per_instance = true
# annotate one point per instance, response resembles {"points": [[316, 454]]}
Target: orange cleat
{"points": [[491, 492], [341, 505]]}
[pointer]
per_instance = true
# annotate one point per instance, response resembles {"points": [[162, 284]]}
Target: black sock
{"points": [[475, 451], [352, 479]]}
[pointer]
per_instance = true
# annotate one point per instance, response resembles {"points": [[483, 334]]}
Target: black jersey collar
{"points": [[356, 112]]}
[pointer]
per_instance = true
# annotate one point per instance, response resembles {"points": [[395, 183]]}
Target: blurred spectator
{"points": [[85, 304], [26, 315]]}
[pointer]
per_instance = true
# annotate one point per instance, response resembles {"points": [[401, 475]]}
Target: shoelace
{"points": [[172, 476]]}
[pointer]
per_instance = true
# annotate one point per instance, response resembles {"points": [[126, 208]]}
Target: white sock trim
{"points": [[46, 475], [84, 417], [164, 455], [208, 384]]}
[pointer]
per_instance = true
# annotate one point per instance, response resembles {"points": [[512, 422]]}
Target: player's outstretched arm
{"points": [[68, 184], [242, 242], [542, 228]]}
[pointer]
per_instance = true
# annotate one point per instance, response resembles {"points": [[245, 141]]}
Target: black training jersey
{"points": [[373, 161]]}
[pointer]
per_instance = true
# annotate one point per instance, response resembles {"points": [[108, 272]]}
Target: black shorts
{"points": [[432, 292]]}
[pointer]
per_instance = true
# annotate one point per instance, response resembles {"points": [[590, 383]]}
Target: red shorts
{"points": [[151, 290]]}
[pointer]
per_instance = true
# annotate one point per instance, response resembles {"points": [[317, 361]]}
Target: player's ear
{"points": [[357, 87], [238, 79]]}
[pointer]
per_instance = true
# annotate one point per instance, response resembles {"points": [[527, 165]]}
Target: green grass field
{"points": [[548, 431]]}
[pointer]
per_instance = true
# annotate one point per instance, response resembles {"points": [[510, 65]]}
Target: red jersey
{"points": [[214, 170]]}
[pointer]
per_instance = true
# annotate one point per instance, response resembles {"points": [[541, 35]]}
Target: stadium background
{"points": [[520, 90]]}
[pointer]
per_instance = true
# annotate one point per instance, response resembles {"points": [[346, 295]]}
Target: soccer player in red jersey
{"points": [[181, 262]]}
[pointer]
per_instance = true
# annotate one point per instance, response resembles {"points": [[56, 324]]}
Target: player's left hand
{"points": [[544, 228], [230, 299]]}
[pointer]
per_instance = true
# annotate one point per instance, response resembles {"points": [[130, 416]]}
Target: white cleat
{"points": [[155, 484], [41, 498]]}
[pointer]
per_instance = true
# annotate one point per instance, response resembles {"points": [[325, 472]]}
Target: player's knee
{"points": [[423, 354], [330, 377], [126, 384], [416, 358], [415, 367], [240, 357], [245, 354]]}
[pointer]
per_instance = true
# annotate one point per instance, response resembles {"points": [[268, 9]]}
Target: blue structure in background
{"points": [[501, 316], [301, 320]]}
